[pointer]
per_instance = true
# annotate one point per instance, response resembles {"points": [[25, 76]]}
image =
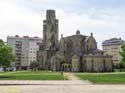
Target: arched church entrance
{"points": [[65, 67]]}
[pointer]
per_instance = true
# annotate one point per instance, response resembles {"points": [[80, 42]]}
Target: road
{"points": [[68, 88]]}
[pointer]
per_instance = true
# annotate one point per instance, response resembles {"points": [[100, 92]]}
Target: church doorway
{"points": [[66, 67]]}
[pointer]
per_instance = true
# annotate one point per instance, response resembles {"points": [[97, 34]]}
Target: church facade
{"points": [[76, 53]]}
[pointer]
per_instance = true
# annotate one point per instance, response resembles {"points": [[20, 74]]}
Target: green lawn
{"points": [[103, 78], [31, 75]]}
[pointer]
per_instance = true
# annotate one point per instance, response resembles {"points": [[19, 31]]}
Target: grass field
{"points": [[31, 75], [103, 78]]}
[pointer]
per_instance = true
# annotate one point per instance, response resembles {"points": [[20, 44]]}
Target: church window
{"points": [[52, 41], [87, 48], [52, 28]]}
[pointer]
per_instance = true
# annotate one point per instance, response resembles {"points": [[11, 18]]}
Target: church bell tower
{"points": [[50, 31]]}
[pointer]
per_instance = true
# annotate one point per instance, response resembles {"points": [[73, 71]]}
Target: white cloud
{"points": [[54, 1], [15, 19], [24, 20], [105, 27]]}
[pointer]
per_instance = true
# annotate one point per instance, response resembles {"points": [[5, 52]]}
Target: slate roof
{"points": [[78, 51], [74, 38], [97, 51], [87, 38], [113, 41]]}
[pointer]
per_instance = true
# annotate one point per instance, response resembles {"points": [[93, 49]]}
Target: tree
{"points": [[6, 55], [34, 65], [122, 53]]}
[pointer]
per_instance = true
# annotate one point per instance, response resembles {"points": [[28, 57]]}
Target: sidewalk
{"points": [[39, 82]]}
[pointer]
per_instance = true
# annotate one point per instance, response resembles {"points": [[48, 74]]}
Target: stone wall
{"points": [[97, 63], [108, 64], [75, 63]]}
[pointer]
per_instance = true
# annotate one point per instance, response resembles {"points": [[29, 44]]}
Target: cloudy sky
{"points": [[105, 18]]}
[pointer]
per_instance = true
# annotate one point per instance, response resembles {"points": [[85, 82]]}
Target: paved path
{"points": [[73, 78]]}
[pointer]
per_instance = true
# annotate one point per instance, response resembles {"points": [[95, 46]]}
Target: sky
{"points": [[104, 18]]}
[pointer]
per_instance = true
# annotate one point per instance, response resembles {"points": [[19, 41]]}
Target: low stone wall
{"points": [[95, 63]]}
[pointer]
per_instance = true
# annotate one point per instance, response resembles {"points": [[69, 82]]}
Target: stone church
{"points": [[76, 53]]}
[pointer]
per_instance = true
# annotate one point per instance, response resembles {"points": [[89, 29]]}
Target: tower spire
{"points": [[50, 30]]}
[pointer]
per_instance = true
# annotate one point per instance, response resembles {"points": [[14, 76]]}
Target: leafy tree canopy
{"points": [[122, 53], [6, 55], [34, 65]]}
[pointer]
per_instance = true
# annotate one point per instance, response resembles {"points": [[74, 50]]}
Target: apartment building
{"points": [[25, 48], [113, 47]]}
